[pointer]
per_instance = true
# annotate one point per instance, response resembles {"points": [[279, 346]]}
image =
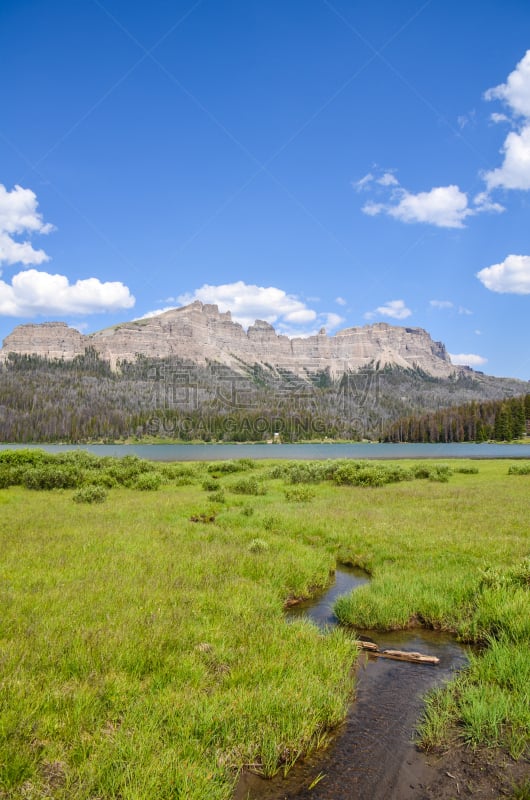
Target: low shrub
{"points": [[90, 494], [433, 472], [299, 494], [51, 477], [362, 474], [309, 472], [519, 469], [248, 486], [11, 475], [440, 473], [217, 497], [148, 482], [466, 470], [24, 457], [210, 485], [225, 467]]}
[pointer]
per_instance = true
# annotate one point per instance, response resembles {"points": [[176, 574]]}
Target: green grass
{"points": [[144, 655]]}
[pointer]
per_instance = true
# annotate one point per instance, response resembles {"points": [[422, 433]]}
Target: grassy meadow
{"points": [[143, 649]]}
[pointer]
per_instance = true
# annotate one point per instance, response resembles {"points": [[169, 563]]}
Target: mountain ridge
{"points": [[200, 333]]}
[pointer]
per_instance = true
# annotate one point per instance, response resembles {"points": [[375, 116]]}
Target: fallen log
{"points": [[367, 645], [397, 655]]}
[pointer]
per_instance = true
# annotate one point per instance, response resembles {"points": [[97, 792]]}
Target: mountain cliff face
{"points": [[201, 334]]}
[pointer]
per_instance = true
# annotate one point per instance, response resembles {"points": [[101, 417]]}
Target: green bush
{"points": [[362, 474], [90, 494], [52, 477], [440, 473], [248, 486], [11, 475], [210, 485], [466, 470], [148, 482], [23, 457], [217, 497], [246, 463], [300, 494], [308, 472], [519, 469], [225, 467]]}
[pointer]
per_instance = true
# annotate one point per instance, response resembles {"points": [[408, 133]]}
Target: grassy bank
{"points": [[143, 648]]}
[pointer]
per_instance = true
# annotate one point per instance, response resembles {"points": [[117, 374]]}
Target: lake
{"points": [[221, 452]]}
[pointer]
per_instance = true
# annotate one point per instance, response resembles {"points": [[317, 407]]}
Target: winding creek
{"points": [[372, 756]]}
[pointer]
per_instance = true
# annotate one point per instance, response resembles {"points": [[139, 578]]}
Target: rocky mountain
{"points": [[199, 333], [194, 373]]}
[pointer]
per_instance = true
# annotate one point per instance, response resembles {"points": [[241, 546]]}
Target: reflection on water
{"points": [[371, 754]]}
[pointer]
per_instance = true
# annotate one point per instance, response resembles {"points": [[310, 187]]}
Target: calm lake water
{"points": [[220, 452]]}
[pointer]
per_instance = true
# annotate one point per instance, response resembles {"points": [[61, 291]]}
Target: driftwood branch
{"points": [[397, 655]]}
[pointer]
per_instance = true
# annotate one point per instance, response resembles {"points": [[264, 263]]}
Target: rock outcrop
{"points": [[200, 333]]}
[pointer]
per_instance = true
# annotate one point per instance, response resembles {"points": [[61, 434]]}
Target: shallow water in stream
{"points": [[372, 756]]}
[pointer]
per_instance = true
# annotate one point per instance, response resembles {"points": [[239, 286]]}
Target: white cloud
{"points": [[248, 302], [511, 276], [483, 202], [515, 170], [332, 320], [32, 293], [516, 91], [441, 304], [468, 359], [388, 179], [340, 301], [443, 206], [514, 173], [301, 316], [156, 312], [19, 216], [445, 305], [396, 309], [363, 182], [496, 117], [371, 209]]}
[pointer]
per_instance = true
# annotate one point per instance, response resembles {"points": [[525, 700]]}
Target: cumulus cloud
{"points": [[396, 309], [32, 293], [514, 172], [19, 217], [516, 91], [449, 206], [511, 276], [248, 302], [442, 206], [468, 359], [340, 301]]}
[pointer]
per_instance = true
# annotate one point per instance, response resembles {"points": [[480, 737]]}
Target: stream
{"points": [[372, 755]]}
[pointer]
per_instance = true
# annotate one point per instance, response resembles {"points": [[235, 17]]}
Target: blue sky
{"points": [[309, 162]]}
